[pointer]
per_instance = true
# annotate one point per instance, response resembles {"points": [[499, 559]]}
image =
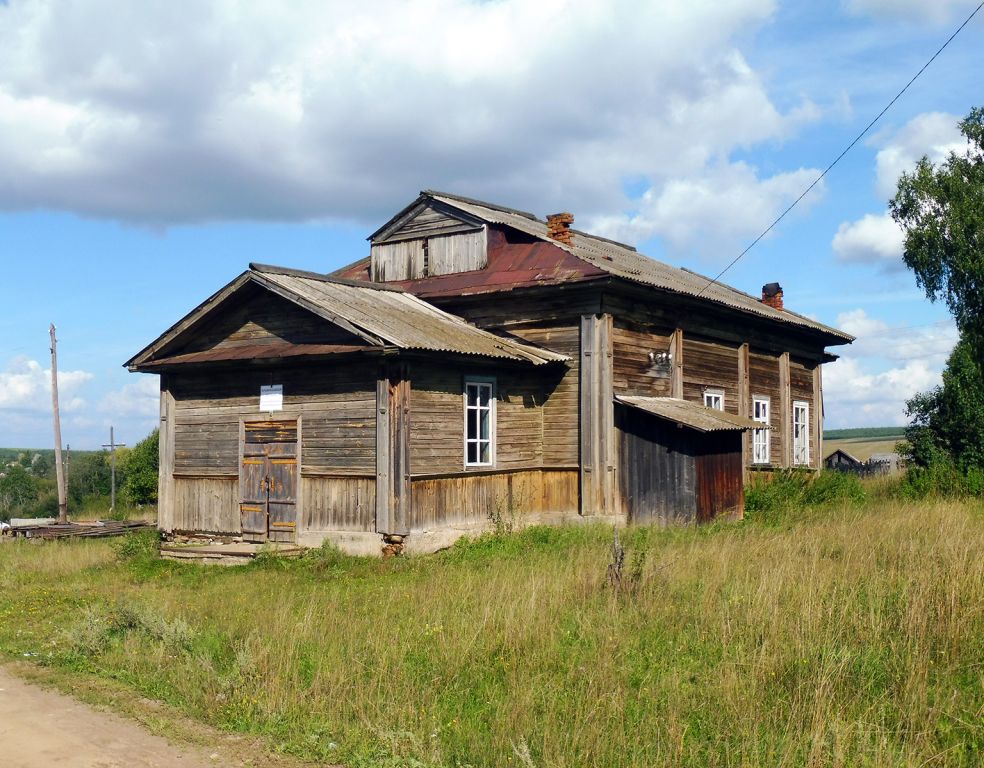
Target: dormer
{"points": [[425, 239]]}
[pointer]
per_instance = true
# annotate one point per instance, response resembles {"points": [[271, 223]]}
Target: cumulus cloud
{"points": [[181, 113], [870, 240], [139, 398], [936, 11], [883, 368], [26, 386], [877, 239], [933, 134], [710, 212]]}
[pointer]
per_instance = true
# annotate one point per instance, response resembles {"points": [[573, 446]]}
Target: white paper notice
{"points": [[272, 398]]}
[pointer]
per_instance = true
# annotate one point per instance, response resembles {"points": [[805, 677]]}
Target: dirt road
{"points": [[40, 728]]}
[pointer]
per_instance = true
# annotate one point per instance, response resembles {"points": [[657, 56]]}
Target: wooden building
{"points": [[479, 362]]}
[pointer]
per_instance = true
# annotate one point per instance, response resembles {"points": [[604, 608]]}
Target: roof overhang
{"points": [[692, 415]]}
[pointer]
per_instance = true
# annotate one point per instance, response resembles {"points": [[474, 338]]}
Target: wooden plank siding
{"points": [[597, 412], [257, 317], [337, 407], [633, 373], [560, 393], [763, 374], [710, 365], [437, 418]]}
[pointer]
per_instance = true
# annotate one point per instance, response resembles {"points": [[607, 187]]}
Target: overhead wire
{"points": [[837, 159]]}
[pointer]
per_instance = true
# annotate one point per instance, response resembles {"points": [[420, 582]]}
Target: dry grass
{"points": [[843, 637]]}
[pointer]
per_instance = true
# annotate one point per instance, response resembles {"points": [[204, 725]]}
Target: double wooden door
{"points": [[268, 481]]}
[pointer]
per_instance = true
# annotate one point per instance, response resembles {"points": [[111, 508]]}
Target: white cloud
{"points": [[139, 398], [933, 134], [25, 385], [710, 213], [870, 240], [877, 239], [884, 367], [180, 113], [936, 11]]}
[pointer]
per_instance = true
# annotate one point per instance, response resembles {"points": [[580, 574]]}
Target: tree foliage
{"points": [[139, 468], [948, 421], [18, 488], [941, 210]]}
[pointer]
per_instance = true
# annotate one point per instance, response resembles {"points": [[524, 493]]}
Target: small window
{"points": [[714, 398], [479, 423], [760, 437], [801, 433]]}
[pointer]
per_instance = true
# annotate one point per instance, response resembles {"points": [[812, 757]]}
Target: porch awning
{"points": [[692, 415]]}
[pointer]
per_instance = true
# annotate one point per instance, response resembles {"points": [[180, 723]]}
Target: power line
{"points": [[849, 147]]}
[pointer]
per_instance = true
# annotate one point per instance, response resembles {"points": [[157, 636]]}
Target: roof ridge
{"points": [[271, 269], [474, 201]]}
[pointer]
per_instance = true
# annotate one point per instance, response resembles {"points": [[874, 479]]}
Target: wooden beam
{"points": [[165, 489], [676, 345], [785, 412], [393, 450], [818, 416], [597, 414], [745, 407]]}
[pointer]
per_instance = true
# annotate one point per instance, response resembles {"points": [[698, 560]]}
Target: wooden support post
{"points": [[818, 415], [59, 467], [393, 451], [745, 407], [165, 472], [786, 412], [597, 427], [676, 347]]}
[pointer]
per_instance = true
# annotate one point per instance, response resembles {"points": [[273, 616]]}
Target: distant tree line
{"points": [[28, 487]]}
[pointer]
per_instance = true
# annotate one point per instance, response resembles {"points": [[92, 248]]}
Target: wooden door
{"points": [[268, 482]]}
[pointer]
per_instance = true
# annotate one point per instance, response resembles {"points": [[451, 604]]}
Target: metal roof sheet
{"points": [[625, 262], [693, 415], [402, 319]]}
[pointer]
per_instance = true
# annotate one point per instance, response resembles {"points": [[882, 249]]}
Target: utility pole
{"points": [[59, 468], [113, 445]]}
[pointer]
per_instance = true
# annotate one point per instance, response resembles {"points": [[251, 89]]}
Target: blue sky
{"points": [[146, 162]]}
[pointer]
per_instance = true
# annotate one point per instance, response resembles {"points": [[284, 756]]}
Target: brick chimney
{"points": [[559, 227], [772, 295]]}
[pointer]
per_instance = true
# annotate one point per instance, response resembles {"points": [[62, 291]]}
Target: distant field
{"points": [[860, 448], [865, 433]]}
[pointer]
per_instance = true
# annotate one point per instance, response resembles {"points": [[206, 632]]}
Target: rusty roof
{"points": [[381, 316], [693, 415], [625, 262]]}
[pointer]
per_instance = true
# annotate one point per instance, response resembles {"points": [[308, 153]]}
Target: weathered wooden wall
{"points": [[657, 475], [763, 380], [560, 407], [437, 418], [206, 504], [429, 256], [720, 481], [475, 498], [633, 371], [256, 318], [338, 503], [710, 365], [336, 405]]}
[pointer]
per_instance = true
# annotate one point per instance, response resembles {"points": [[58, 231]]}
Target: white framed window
{"points": [[479, 422], [760, 437], [714, 398], [801, 433]]}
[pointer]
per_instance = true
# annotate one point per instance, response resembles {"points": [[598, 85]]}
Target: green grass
{"points": [[828, 635]]}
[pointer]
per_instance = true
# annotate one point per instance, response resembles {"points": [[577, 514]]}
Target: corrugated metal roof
{"points": [[625, 262], [693, 415], [401, 319]]}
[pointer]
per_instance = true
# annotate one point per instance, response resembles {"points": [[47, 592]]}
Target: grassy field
{"points": [[838, 636]]}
